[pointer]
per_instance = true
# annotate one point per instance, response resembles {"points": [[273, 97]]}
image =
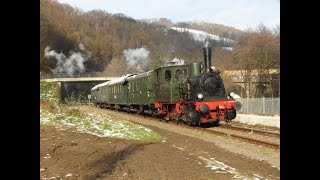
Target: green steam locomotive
{"points": [[192, 93]]}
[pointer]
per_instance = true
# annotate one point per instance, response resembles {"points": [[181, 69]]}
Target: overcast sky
{"points": [[240, 14]]}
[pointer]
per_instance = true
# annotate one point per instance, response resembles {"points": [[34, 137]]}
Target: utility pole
{"points": [[89, 97]]}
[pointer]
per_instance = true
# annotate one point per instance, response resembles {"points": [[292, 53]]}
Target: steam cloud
{"points": [[175, 62], [137, 58], [72, 64]]}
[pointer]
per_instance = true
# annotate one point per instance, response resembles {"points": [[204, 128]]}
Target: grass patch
{"points": [[53, 112], [96, 124], [268, 151]]}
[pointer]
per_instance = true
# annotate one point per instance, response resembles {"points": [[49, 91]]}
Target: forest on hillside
{"points": [[115, 44], [105, 36], [63, 28]]}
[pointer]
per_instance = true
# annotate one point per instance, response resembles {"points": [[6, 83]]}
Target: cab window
{"points": [[167, 75]]}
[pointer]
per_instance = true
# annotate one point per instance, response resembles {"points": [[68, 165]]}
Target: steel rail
{"points": [[256, 131]]}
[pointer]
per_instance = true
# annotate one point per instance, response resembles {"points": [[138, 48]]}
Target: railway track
{"points": [[255, 131], [244, 138], [231, 131]]}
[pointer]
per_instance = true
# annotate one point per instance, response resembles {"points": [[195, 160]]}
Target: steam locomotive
{"points": [[192, 93]]}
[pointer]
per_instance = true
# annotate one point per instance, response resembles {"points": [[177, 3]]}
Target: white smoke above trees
{"points": [[71, 64], [175, 62], [138, 59]]}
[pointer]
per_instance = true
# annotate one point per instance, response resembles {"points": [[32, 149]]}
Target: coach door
{"points": [[163, 85], [157, 85], [125, 92]]}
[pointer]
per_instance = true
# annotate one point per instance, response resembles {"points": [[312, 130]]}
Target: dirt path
{"points": [[67, 154]]}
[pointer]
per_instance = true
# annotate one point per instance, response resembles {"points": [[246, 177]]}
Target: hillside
{"points": [[97, 39]]}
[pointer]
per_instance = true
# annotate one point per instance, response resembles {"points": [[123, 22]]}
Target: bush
{"points": [[50, 94], [74, 112]]}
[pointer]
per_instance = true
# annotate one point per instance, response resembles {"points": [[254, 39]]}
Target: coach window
{"points": [[167, 75], [137, 86], [178, 74]]}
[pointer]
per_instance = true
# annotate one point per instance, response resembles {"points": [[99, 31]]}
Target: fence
{"points": [[267, 106]]}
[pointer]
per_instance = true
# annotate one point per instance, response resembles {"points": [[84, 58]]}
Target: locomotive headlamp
{"points": [[200, 96]]}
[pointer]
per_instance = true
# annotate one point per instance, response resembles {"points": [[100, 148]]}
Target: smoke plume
{"points": [[176, 62], [71, 64], [137, 58]]}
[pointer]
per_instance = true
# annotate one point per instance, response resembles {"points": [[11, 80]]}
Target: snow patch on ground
{"points": [[50, 178], [251, 119], [180, 148], [95, 124], [69, 174], [201, 35], [220, 167], [47, 156]]}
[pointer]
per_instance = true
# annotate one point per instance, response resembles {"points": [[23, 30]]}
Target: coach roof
{"points": [[120, 80]]}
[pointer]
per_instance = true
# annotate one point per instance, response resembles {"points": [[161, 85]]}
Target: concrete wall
{"points": [[255, 119]]}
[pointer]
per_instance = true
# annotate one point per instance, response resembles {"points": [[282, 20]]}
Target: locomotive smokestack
{"points": [[207, 59]]}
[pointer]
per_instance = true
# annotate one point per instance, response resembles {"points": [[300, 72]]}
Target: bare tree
{"points": [[258, 51]]}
